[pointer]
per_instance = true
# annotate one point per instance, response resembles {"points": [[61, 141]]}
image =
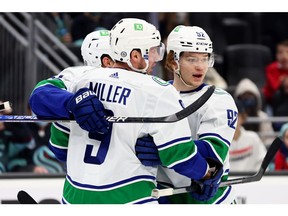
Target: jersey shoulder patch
{"points": [[220, 91], [160, 81]]}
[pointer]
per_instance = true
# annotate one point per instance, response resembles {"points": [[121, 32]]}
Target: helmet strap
{"points": [[178, 72]]}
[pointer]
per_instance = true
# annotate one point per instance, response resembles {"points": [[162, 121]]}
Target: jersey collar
{"points": [[194, 90]]}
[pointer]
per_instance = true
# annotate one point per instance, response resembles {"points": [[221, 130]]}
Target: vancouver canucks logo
{"points": [[160, 81]]}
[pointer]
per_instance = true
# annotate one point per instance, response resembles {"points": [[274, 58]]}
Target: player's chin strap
{"points": [[144, 70], [178, 72]]}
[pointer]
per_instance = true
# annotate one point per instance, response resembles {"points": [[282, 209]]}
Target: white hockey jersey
{"points": [[107, 170], [214, 123]]}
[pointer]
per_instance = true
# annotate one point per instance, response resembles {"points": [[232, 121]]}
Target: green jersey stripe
{"points": [[177, 153], [59, 138], [56, 82], [219, 146], [140, 190]]}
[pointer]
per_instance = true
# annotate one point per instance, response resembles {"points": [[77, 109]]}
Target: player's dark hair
{"points": [[169, 61], [283, 43]]}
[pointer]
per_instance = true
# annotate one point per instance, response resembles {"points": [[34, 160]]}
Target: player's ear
{"points": [[107, 62], [135, 56]]}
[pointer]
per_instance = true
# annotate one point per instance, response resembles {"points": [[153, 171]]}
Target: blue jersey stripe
{"points": [[61, 154], [175, 141], [141, 177], [146, 201], [214, 135], [56, 124], [225, 194], [205, 149], [194, 90]]}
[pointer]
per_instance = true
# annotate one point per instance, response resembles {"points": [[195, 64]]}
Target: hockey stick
{"points": [[156, 193], [165, 119], [24, 198]]}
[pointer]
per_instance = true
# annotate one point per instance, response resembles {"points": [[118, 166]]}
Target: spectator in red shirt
{"points": [[281, 158], [279, 103], [276, 71]]}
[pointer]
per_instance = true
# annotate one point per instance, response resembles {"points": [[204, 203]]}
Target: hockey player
{"points": [[190, 54], [95, 49], [96, 52], [102, 167]]}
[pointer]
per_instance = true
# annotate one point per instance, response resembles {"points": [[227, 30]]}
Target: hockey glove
{"points": [[207, 189], [147, 152], [88, 111]]}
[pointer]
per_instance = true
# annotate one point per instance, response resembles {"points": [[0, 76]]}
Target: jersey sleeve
{"points": [[50, 97], [59, 140], [176, 149], [49, 101], [217, 127]]}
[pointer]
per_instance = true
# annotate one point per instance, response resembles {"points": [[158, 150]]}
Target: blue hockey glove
{"points": [[88, 111], [147, 152], [208, 188]]}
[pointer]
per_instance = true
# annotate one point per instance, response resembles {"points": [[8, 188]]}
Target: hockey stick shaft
{"points": [[114, 119], [274, 147]]}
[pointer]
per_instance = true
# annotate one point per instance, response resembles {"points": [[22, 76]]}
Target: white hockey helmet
{"points": [[94, 46], [132, 33], [189, 39]]}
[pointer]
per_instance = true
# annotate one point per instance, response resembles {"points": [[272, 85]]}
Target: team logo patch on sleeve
{"points": [[160, 81]]}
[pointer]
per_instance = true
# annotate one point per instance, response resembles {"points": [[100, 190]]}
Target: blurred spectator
{"points": [[42, 156], [168, 21], [247, 92], [108, 20], [213, 78], [280, 103], [82, 25], [247, 149], [274, 28], [281, 157], [276, 71], [16, 141], [62, 30]]}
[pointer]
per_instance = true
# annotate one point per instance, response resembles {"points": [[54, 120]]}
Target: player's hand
{"points": [[88, 111], [147, 152], [207, 188]]}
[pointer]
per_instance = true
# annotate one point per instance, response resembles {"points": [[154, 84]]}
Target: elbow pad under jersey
{"points": [[50, 102]]}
